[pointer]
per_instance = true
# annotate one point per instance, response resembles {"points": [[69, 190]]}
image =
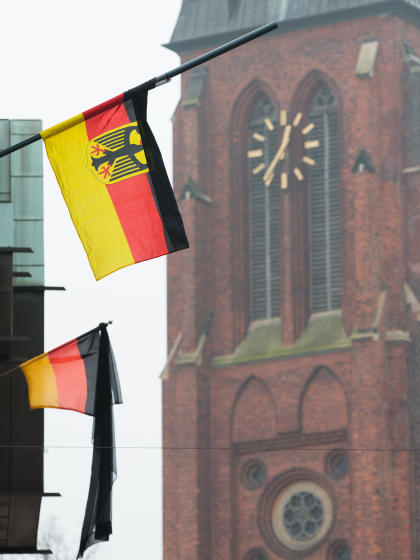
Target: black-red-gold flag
{"points": [[81, 375], [113, 180]]}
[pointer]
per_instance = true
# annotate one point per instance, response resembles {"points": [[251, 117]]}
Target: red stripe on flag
{"points": [[132, 197], [96, 115], [139, 217], [70, 375]]}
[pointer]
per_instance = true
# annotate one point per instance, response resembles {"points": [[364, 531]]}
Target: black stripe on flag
{"points": [[88, 345], [175, 236]]}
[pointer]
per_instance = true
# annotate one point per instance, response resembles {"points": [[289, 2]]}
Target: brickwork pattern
{"points": [[291, 413]]}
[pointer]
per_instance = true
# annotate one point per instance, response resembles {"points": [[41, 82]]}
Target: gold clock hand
{"points": [[285, 141], [280, 152], [281, 155]]}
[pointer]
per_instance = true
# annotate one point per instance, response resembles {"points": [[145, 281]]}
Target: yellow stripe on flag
{"points": [[87, 199], [48, 132], [42, 386]]}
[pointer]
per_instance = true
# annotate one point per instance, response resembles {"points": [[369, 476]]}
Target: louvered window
{"points": [[324, 204], [263, 215]]}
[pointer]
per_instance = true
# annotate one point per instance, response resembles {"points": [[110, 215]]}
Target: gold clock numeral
{"points": [[258, 137], [298, 173], [308, 160], [259, 168], [297, 119], [308, 128], [255, 153], [283, 117], [269, 124], [312, 144], [284, 180]]}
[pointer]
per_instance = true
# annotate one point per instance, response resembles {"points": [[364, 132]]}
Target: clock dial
{"points": [[284, 180], [283, 118], [289, 129], [255, 153], [308, 129], [308, 160], [298, 118], [298, 173], [259, 168], [269, 124], [258, 137], [312, 144]]}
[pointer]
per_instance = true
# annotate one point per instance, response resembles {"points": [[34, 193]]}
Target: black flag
{"points": [[97, 525]]}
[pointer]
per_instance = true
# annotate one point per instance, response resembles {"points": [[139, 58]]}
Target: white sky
{"points": [[60, 58]]}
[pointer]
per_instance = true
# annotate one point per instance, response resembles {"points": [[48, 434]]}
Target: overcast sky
{"points": [[60, 58]]}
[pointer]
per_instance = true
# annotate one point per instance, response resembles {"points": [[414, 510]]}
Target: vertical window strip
{"points": [[324, 205], [264, 274], [327, 231]]}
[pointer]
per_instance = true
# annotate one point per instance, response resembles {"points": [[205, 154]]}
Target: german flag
{"points": [[65, 377], [81, 375], [113, 180]]}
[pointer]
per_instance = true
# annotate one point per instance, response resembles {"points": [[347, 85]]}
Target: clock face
{"points": [[289, 130]]}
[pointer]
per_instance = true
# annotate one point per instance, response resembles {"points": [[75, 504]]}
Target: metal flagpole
{"points": [[164, 78], [217, 52], [9, 371]]}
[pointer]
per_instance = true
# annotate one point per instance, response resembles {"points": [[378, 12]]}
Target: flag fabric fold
{"points": [[113, 180], [97, 524], [65, 377], [81, 375]]}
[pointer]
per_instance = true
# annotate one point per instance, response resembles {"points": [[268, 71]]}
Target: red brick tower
{"points": [[292, 395]]}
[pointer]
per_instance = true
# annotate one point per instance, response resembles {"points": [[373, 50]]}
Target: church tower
{"points": [[291, 398]]}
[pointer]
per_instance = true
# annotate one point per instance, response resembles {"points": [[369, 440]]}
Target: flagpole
{"points": [[164, 78], [9, 371]]}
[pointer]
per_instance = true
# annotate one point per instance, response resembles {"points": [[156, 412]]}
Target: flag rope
{"points": [[227, 448]]}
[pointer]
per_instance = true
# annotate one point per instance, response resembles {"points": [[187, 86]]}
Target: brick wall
{"points": [[356, 398]]}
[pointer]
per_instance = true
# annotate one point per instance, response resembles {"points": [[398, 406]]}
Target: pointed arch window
{"points": [[264, 273], [324, 204]]}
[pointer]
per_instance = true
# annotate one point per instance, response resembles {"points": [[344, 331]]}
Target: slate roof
{"points": [[199, 19]]}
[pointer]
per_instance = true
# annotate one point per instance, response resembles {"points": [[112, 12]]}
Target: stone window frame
{"points": [[245, 472], [255, 553], [336, 547], [239, 202], [303, 97], [276, 493], [294, 266], [331, 468], [263, 202]]}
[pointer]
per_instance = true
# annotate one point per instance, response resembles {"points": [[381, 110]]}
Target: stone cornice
{"points": [[291, 440]]}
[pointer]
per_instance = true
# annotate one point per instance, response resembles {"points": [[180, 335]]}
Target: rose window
{"points": [[303, 516]]}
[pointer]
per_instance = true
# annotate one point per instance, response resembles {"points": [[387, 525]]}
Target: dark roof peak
{"points": [[199, 20]]}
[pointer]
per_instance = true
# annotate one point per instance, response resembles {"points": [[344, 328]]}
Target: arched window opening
{"points": [[324, 204], [264, 273]]}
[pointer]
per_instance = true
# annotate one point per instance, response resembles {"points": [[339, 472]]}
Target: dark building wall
{"points": [[21, 337]]}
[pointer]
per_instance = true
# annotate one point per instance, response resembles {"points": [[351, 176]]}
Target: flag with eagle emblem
{"points": [[113, 180]]}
